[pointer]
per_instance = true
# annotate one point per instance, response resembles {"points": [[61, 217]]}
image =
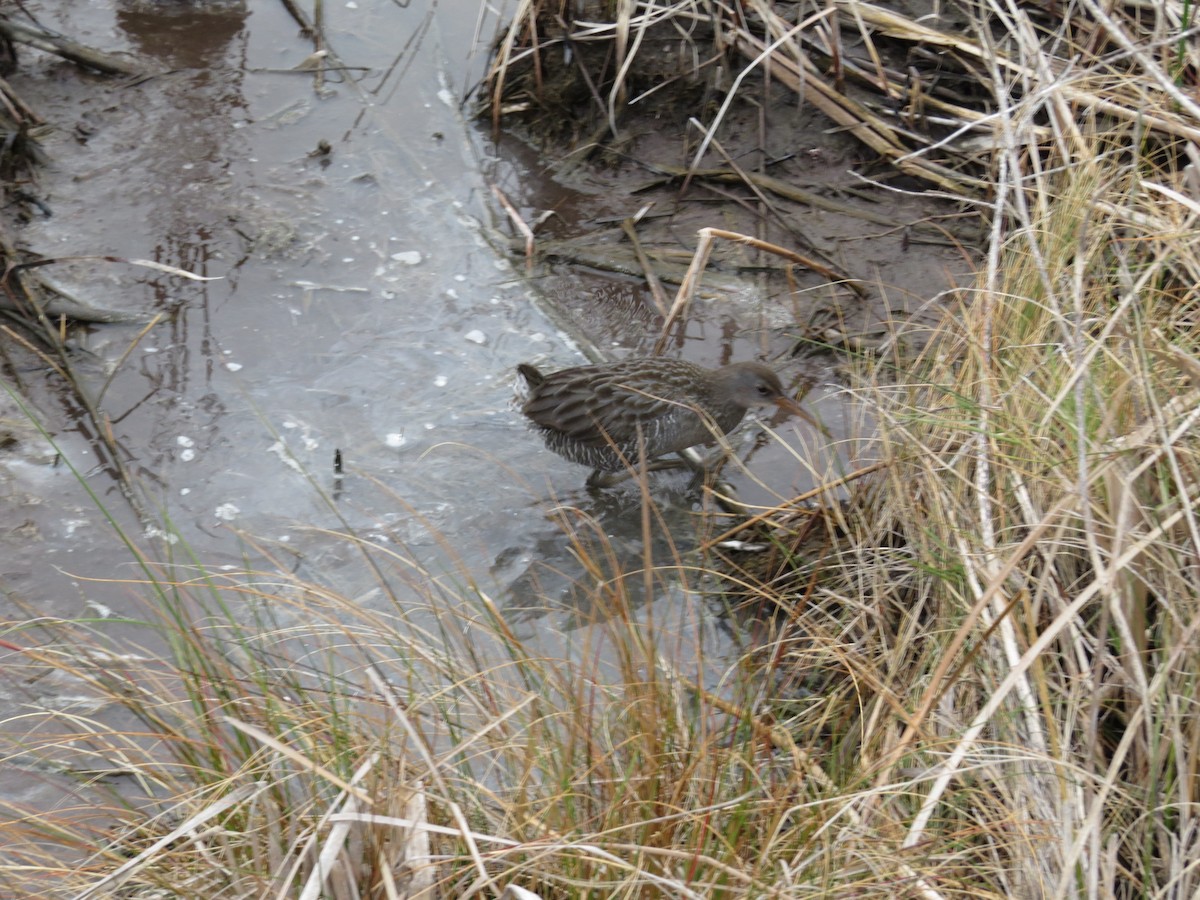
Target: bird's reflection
{"points": [[599, 552]]}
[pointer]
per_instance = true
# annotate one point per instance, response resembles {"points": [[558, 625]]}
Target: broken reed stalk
{"points": [[704, 248], [629, 226], [519, 223], [66, 48], [823, 267], [687, 289]]}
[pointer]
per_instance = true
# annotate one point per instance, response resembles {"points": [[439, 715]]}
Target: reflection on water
{"points": [[181, 34], [593, 551]]}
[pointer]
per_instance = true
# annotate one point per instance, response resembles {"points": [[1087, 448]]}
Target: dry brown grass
{"points": [[982, 683]]}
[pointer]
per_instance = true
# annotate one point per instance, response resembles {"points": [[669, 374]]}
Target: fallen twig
{"points": [[67, 49]]}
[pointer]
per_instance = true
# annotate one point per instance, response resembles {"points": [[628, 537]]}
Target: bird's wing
{"points": [[596, 411]]}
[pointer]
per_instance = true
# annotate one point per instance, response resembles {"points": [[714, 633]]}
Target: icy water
{"points": [[362, 304], [358, 308]]}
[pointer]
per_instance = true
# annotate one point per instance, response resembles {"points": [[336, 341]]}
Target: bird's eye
{"points": [[763, 390]]}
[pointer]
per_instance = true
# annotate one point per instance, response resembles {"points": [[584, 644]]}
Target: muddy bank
{"points": [[669, 139]]}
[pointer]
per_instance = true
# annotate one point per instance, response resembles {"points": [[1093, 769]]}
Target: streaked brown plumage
{"points": [[605, 416]]}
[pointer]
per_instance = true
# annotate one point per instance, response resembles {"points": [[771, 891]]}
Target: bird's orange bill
{"points": [[789, 405]]}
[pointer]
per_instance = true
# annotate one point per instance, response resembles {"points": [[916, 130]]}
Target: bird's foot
{"points": [[600, 478]]}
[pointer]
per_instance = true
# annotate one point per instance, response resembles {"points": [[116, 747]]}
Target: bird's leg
{"points": [[599, 478], [708, 470]]}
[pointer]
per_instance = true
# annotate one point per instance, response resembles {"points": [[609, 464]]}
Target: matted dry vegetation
{"points": [[981, 675]]}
